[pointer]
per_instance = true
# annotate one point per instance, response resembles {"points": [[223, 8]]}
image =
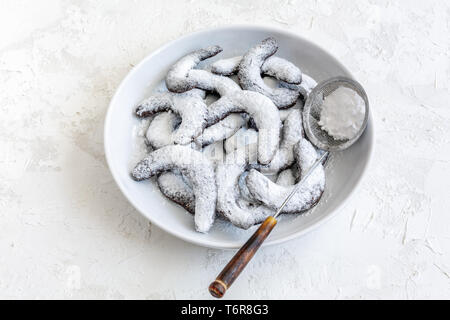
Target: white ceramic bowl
{"points": [[343, 176]]}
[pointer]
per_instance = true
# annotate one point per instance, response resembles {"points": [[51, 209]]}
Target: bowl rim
{"points": [[222, 244]]}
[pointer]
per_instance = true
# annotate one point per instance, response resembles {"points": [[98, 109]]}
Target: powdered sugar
{"points": [[159, 132], [342, 113], [286, 178]]}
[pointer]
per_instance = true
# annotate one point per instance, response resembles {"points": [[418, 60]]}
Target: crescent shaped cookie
{"points": [[276, 67], [292, 133], [177, 79], [174, 187], [195, 167], [160, 131], [191, 108], [250, 75], [272, 195]]}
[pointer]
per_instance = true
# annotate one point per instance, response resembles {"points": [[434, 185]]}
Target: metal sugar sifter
{"points": [[313, 107], [319, 138]]}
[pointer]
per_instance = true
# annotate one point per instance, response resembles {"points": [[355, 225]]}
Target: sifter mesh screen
{"points": [[313, 107]]}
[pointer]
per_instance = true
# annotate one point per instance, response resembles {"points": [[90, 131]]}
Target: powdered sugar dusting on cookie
{"points": [[174, 187], [212, 82], [177, 79], [195, 167], [282, 70], [159, 133], [286, 178], [226, 67]]}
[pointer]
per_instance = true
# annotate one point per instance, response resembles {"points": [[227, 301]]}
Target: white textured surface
{"points": [[66, 230]]}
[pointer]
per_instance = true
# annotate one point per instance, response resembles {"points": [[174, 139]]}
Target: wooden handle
{"points": [[232, 270]]}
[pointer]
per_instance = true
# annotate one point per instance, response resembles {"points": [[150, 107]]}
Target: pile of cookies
{"points": [[255, 126]]}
